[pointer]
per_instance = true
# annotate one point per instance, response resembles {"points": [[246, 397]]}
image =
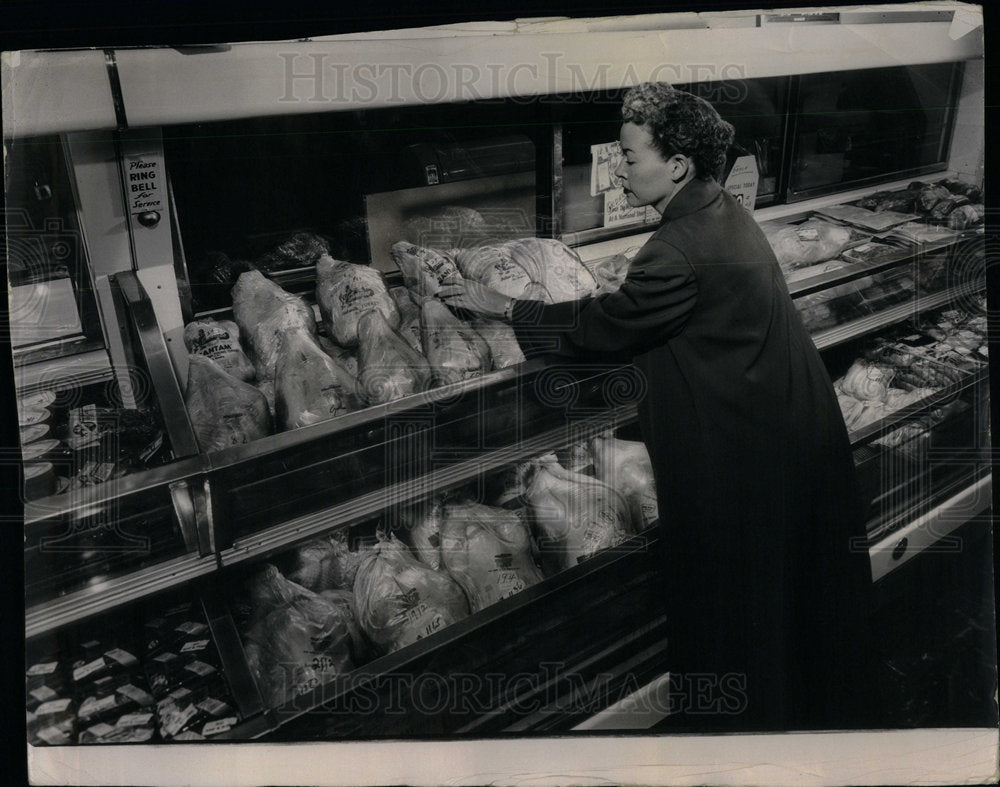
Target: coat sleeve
{"points": [[652, 306]]}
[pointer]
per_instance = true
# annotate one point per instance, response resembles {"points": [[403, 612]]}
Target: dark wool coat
{"points": [[766, 571]]}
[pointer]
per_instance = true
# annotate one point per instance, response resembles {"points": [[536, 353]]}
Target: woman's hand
{"points": [[474, 297]]}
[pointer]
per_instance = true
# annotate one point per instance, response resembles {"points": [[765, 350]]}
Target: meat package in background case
{"points": [[345, 292], [625, 466], [264, 311], [220, 341], [296, 640], [453, 349], [325, 563], [488, 551], [309, 385], [223, 410], [575, 515], [398, 600], [812, 241], [389, 368]]}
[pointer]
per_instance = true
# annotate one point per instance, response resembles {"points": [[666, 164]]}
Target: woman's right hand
{"points": [[474, 297]]}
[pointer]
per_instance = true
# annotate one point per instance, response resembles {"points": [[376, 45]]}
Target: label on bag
{"points": [[191, 628], [99, 730], [42, 669], [807, 233], [213, 706], [43, 694], [218, 726], [195, 646], [54, 706], [123, 657], [53, 736], [200, 668], [136, 694], [92, 706], [135, 720], [175, 720]]}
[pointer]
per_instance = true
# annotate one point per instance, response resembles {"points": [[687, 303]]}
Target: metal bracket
{"points": [[192, 505]]}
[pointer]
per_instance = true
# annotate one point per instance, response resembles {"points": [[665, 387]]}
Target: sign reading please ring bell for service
{"points": [[742, 181], [145, 185]]}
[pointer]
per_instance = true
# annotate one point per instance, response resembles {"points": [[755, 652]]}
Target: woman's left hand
{"points": [[474, 297]]}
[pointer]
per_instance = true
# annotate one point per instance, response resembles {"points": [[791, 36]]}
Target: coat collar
{"points": [[695, 195]]}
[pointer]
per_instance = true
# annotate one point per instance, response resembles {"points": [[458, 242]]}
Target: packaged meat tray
{"points": [[866, 219], [917, 232], [874, 251]]}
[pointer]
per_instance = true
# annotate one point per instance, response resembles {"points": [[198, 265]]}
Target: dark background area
{"points": [[90, 23]]}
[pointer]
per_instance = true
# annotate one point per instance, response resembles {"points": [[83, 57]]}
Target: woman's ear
{"points": [[680, 166]]}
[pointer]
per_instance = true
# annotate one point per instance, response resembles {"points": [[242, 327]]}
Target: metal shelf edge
{"points": [[365, 506], [112, 593]]}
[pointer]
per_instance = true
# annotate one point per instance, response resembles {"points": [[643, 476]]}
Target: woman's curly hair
{"points": [[680, 122]]}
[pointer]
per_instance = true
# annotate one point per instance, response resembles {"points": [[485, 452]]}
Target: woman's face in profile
{"points": [[647, 178]]}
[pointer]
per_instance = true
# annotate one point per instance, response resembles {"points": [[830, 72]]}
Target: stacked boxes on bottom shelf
{"points": [[182, 664], [160, 684]]}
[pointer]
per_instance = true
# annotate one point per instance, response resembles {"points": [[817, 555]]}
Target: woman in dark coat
{"points": [[766, 571]]}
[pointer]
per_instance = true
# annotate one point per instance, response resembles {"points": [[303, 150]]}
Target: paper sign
{"points": [[617, 211], [145, 187], [604, 160], [742, 181]]}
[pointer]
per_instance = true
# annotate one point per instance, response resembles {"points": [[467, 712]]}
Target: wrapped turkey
{"points": [[409, 317], [309, 385], [398, 600], [264, 312], [625, 466], [866, 381], [577, 457], [488, 551], [297, 640], [345, 292], [610, 273], [219, 341], [812, 241], [422, 525], [424, 270], [453, 349], [389, 368], [341, 355], [575, 515], [530, 268], [502, 341], [224, 411], [344, 599]]}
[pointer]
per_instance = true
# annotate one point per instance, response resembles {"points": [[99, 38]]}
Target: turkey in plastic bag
{"points": [[453, 349], [346, 291], [398, 600], [325, 563], [812, 241], [297, 640], [501, 340], [264, 312], [224, 411], [389, 368], [341, 355], [424, 270], [361, 649], [530, 268], [409, 317], [422, 528], [575, 515], [488, 551], [309, 385], [220, 341], [624, 465], [610, 272]]}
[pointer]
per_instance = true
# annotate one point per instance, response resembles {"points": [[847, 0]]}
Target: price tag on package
{"points": [[742, 181]]}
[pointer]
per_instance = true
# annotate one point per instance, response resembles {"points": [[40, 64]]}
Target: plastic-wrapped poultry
{"points": [[424, 270], [454, 350], [224, 411], [220, 341], [264, 311], [529, 268], [409, 317], [309, 385], [388, 367], [343, 356], [297, 640], [345, 292], [812, 241], [398, 600], [422, 528], [575, 515], [488, 551], [625, 466], [502, 341]]}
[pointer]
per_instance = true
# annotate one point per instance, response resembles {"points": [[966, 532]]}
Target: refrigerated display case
{"points": [[177, 193]]}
